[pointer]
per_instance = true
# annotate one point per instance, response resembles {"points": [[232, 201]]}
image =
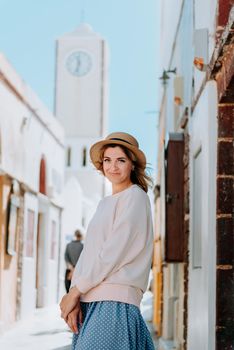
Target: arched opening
{"points": [[42, 183]]}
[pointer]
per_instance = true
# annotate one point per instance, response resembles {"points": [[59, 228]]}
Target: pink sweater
{"points": [[116, 259]]}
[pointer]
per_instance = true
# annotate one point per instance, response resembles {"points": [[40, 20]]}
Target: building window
{"points": [[84, 156], [68, 156]]}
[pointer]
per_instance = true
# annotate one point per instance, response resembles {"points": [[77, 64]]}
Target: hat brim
{"points": [[96, 149]]}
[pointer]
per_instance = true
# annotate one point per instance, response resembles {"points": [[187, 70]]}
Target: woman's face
{"points": [[117, 166]]}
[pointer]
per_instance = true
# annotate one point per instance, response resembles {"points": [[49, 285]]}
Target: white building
{"points": [[81, 97], [31, 183]]}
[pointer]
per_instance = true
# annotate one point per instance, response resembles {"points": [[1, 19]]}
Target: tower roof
{"points": [[84, 30]]}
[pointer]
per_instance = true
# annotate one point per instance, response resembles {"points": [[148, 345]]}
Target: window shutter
{"points": [[174, 238]]}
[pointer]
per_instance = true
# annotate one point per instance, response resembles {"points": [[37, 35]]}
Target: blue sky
{"points": [[28, 30]]}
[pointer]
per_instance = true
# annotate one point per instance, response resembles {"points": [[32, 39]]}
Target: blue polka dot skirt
{"points": [[112, 325]]}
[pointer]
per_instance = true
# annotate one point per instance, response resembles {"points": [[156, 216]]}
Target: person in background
{"points": [[102, 306], [72, 254]]}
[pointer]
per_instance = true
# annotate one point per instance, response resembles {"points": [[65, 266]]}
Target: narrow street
{"points": [[117, 173], [45, 330]]}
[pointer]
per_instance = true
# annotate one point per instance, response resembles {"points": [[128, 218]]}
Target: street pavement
{"points": [[45, 330]]}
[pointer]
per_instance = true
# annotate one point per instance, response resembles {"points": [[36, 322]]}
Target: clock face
{"points": [[79, 63]]}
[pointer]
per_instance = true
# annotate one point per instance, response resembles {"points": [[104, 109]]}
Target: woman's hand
{"points": [[74, 318], [69, 302]]}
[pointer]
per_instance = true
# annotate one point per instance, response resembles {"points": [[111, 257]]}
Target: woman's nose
{"points": [[114, 165]]}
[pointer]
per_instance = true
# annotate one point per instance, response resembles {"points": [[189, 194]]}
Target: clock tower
{"points": [[81, 102]]}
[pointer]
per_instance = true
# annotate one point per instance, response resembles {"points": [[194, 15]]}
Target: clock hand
{"points": [[78, 64]]}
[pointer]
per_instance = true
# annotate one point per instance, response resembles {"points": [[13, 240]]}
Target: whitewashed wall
{"points": [[25, 138], [29, 132], [28, 299], [53, 256], [170, 13], [202, 278], [205, 17]]}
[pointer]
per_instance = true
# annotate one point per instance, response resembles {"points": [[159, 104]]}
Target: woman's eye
{"points": [[106, 160], [122, 160]]}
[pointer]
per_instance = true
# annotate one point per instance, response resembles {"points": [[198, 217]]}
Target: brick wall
{"points": [[223, 12], [225, 181], [225, 228]]}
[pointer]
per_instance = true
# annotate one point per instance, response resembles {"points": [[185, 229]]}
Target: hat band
{"points": [[117, 139]]}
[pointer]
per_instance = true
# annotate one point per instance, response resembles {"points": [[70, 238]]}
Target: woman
{"points": [[102, 306]]}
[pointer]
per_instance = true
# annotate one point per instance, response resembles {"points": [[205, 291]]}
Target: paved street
{"points": [[44, 331]]}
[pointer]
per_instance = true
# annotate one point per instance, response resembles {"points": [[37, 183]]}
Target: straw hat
{"points": [[117, 138]]}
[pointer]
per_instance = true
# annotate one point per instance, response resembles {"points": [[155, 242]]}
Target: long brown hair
{"points": [[138, 174]]}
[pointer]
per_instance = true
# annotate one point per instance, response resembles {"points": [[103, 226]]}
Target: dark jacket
{"points": [[72, 252]]}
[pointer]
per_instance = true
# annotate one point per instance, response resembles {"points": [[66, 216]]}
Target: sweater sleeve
{"points": [[125, 241]]}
